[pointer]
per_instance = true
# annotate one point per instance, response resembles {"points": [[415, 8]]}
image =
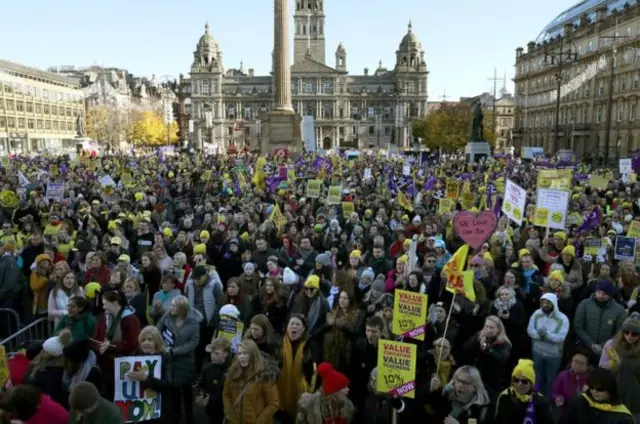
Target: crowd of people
{"points": [[267, 300]]}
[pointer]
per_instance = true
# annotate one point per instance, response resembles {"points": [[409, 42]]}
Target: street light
{"points": [[559, 58]]}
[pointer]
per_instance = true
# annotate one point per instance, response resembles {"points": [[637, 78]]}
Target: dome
{"points": [[573, 15], [340, 49], [410, 40], [207, 42]]}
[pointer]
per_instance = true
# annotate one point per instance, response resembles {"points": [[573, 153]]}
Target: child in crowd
{"points": [[211, 381]]}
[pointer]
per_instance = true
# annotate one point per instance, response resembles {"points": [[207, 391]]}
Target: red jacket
{"points": [[49, 412], [18, 366], [181, 284], [102, 276], [129, 331]]}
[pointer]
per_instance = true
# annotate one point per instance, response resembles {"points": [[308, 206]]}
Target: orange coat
{"points": [[258, 404], [39, 285]]}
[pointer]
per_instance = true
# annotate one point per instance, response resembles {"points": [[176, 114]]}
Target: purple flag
{"points": [[592, 221]]}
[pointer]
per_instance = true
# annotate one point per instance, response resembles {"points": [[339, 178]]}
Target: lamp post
{"points": [[559, 58]]}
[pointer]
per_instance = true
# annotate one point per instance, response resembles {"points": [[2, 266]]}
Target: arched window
{"points": [[304, 30]]}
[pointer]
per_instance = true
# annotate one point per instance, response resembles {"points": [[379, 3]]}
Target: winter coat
{"points": [[510, 409], [211, 383], [212, 294], [568, 384], [9, 277], [49, 412], [105, 413], [82, 327], [251, 401], [156, 314], [58, 300], [182, 342], [489, 361], [101, 276], [439, 407], [550, 341], [595, 324], [48, 380], [316, 408], [584, 410], [162, 386]]}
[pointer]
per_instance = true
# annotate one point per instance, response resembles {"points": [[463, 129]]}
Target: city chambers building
{"points": [[226, 106], [577, 84]]}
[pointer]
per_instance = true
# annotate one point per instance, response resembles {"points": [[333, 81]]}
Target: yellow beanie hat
{"points": [[200, 249], [557, 275], [525, 370], [138, 196], [167, 232], [356, 254], [569, 250], [204, 234], [523, 252], [313, 282], [488, 257], [407, 243], [561, 235], [403, 259]]}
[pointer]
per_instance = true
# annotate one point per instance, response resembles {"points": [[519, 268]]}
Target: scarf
{"points": [[528, 282], [332, 295], [501, 305], [291, 383], [163, 295], [114, 324]]}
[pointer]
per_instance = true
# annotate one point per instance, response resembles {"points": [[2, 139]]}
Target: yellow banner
{"points": [[409, 314], [601, 183], [5, 383], [313, 188], [559, 179], [347, 209], [397, 368], [335, 195], [453, 187], [444, 206], [634, 229]]}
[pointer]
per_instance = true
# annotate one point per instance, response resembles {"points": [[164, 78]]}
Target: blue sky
{"points": [[463, 39]]}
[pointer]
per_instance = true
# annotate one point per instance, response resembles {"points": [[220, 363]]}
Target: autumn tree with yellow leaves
{"points": [[149, 129], [449, 127]]}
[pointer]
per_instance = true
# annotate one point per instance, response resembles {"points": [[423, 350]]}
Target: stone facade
{"points": [[587, 31], [38, 110], [228, 106]]}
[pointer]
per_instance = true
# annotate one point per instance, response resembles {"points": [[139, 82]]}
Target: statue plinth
{"points": [[476, 150], [282, 130]]}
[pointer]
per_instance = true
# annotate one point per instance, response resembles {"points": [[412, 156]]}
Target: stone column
{"points": [[282, 70]]}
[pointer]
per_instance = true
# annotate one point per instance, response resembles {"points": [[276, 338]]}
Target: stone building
{"points": [[505, 112], [226, 106], [578, 47], [38, 110]]}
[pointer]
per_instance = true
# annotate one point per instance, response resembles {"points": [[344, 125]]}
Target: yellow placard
{"points": [[575, 219], [335, 195], [592, 246], [444, 206], [468, 200], [126, 178], [348, 208], [541, 218], [500, 185], [4, 369], [313, 188], [601, 183], [559, 179], [453, 187], [231, 330], [409, 314], [53, 171], [634, 229], [397, 368]]}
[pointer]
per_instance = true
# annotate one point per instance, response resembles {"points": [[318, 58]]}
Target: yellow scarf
{"points": [[522, 398], [291, 383], [444, 372], [607, 407]]}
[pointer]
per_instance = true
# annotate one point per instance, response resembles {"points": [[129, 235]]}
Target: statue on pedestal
{"points": [[79, 125], [477, 127]]}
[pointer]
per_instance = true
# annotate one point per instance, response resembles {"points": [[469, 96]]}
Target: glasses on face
{"points": [[309, 290], [431, 261], [520, 381], [597, 388], [463, 382], [630, 333]]}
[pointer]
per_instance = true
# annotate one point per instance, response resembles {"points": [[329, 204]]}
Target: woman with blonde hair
{"points": [[489, 350], [150, 343], [250, 396]]}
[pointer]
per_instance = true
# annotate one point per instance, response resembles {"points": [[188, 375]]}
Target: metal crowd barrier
{"points": [[9, 322], [37, 331]]}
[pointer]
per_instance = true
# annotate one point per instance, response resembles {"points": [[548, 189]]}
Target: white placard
{"points": [[515, 199], [625, 166], [556, 201], [55, 191]]}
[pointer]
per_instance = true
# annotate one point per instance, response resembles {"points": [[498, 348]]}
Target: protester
{"points": [[88, 407]]}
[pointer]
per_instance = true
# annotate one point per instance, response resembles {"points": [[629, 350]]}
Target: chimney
{"points": [[601, 13], [251, 72], [366, 72], [519, 52], [531, 45], [568, 28]]}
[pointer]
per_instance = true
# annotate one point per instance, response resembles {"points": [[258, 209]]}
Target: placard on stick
{"points": [[475, 229]]}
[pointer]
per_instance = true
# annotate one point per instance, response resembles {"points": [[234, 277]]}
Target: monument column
{"points": [[283, 124], [282, 69]]}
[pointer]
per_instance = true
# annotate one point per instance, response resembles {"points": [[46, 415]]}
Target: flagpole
{"points": [[446, 327]]}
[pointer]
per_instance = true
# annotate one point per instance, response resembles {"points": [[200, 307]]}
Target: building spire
{"points": [[410, 26]]}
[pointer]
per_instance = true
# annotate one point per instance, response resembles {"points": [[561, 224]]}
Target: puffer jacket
{"points": [[182, 342], [313, 406], [251, 401], [595, 324]]}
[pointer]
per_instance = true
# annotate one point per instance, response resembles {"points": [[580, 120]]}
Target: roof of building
{"points": [[37, 73], [573, 14]]}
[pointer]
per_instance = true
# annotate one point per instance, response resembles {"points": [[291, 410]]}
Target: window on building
{"points": [[632, 112], [69, 112], [45, 94], [309, 86], [11, 106], [387, 131], [29, 107], [22, 123], [327, 110], [38, 108], [47, 125], [246, 113], [371, 112], [601, 88], [327, 86], [31, 124], [11, 123], [355, 111], [620, 116], [39, 124], [47, 109], [56, 125], [599, 115], [54, 110], [372, 130], [20, 106], [205, 87], [70, 126]]}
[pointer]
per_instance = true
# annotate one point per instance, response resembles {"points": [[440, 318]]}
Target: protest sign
{"points": [[231, 329], [5, 382], [409, 314], [634, 229], [625, 248], [474, 229], [453, 187], [397, 368], [625, 166], [136, 402], [313, 188], [551, 208], [444, 206], [347, 209], [559, 179], [335, 195], [55, 191], [515, 198]]}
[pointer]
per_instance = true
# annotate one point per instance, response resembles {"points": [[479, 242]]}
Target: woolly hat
{"points": [[561, 235], [229, 310], [289, 277], [332, 380], [524, 370], [77, 351], [632, 323], [606, 286], [313, 282], [323, 259], [199, 249], [569, 250], [54, 345], [368, 275], [403, 259], [557, 275], [379, 284], [355, 254], [204, 235]]}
